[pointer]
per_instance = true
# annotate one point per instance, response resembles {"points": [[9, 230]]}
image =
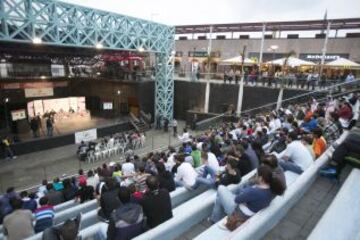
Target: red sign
{"points": [[33, 85]]}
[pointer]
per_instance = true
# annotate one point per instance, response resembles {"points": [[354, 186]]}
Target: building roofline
{"points": [[307, 25]]}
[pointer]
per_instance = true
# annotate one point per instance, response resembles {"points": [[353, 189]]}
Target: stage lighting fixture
{"points": [[37, 40], [141, 49], [99, 46]]}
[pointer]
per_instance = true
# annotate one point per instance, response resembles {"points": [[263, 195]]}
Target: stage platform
{"points": [[72, 124], [64, 133]]}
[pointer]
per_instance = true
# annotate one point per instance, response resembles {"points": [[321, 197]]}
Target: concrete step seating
{"points": [[341, 220], [257, 226], [218, 233], [90, 209], [188, 214], [167, 230]]}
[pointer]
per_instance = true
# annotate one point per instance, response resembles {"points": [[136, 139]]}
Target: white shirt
{"points": [[213, 162], [92, 181], [186, 174], [299, 154], [185, 137], [174, 123], [170, 162], [128, 168]]}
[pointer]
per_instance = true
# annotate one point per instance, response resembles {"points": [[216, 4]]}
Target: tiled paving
{"points": [[303, 217]]}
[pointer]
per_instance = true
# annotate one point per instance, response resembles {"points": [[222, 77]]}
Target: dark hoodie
{"points": [[126, 222]]}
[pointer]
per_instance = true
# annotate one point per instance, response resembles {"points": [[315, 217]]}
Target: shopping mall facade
{"points": [[228, 40]]}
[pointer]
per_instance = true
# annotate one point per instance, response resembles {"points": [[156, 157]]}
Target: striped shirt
{"points": [[44, 217]]}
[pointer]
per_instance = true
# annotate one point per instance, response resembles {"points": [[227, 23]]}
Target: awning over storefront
{"points": [[344, 63], [237, 61], [292, 62]]}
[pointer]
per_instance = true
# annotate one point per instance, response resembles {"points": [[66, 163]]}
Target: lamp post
{"points": [[6, 100], [119, 100]]}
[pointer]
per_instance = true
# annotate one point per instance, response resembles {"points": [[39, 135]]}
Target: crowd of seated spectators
{"points": [[134, 195]]}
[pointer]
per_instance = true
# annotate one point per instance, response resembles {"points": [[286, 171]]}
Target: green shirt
{"points": [[196, 155]]}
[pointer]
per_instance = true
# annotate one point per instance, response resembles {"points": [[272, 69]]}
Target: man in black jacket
{"points": [[351, 145], [126, 222], [156, 203], [109, 200]]}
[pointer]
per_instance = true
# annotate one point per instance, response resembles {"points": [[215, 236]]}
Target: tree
{"points": [[284, 67]]}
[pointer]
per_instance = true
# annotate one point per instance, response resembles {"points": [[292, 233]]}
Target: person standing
{"points": [[158, 122], [49, 127], [174, 125], [166, 125], [34, 125], [9, 154]]}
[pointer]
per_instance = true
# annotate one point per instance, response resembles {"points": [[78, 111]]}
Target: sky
{"points": [[185, 12]]}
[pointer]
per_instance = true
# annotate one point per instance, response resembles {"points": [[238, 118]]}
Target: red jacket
{"points": [[345, 112]]}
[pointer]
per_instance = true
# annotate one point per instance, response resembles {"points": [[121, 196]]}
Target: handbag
{"points": [[234, 220]]}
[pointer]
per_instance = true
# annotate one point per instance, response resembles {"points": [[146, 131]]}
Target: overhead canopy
{"points": [[237, 61], [343, 62], [292, 62]]}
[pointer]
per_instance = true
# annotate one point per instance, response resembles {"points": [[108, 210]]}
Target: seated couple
{"points": [[188, 177]]}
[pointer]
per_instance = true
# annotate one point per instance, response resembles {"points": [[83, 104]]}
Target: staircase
{"points": [[138, 124]]}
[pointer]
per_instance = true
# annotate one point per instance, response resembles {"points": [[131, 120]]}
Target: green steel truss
{"points": [[62, 24]]}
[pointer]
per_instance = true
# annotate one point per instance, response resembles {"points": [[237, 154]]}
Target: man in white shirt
{"points": [[92, 180], [174, 125], [185, 138], [170, 163], [186, 174], [296, 158], [128, 168], [210, 159]]}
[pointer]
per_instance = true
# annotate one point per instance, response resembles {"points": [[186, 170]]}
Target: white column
{"points": [[240, 95], [207, 90], [324, 49], [207, 96], [280, 97], [262, 45]]}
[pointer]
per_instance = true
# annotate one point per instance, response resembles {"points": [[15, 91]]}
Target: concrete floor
{"points": [[30, 169], [303, 217]]}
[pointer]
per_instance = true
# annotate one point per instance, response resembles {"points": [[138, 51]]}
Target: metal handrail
{"points": [[285, 100]]}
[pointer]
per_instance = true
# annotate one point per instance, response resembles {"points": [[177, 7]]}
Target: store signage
{"points": [[33, 85], [18, 114], [203, 54], [178, 54], [39, 92], [86, 136], [318, 56]]}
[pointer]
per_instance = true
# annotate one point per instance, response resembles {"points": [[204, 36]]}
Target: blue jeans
{"points": [[50, 131], [290, 166], [224, 203], [209, 182]]}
